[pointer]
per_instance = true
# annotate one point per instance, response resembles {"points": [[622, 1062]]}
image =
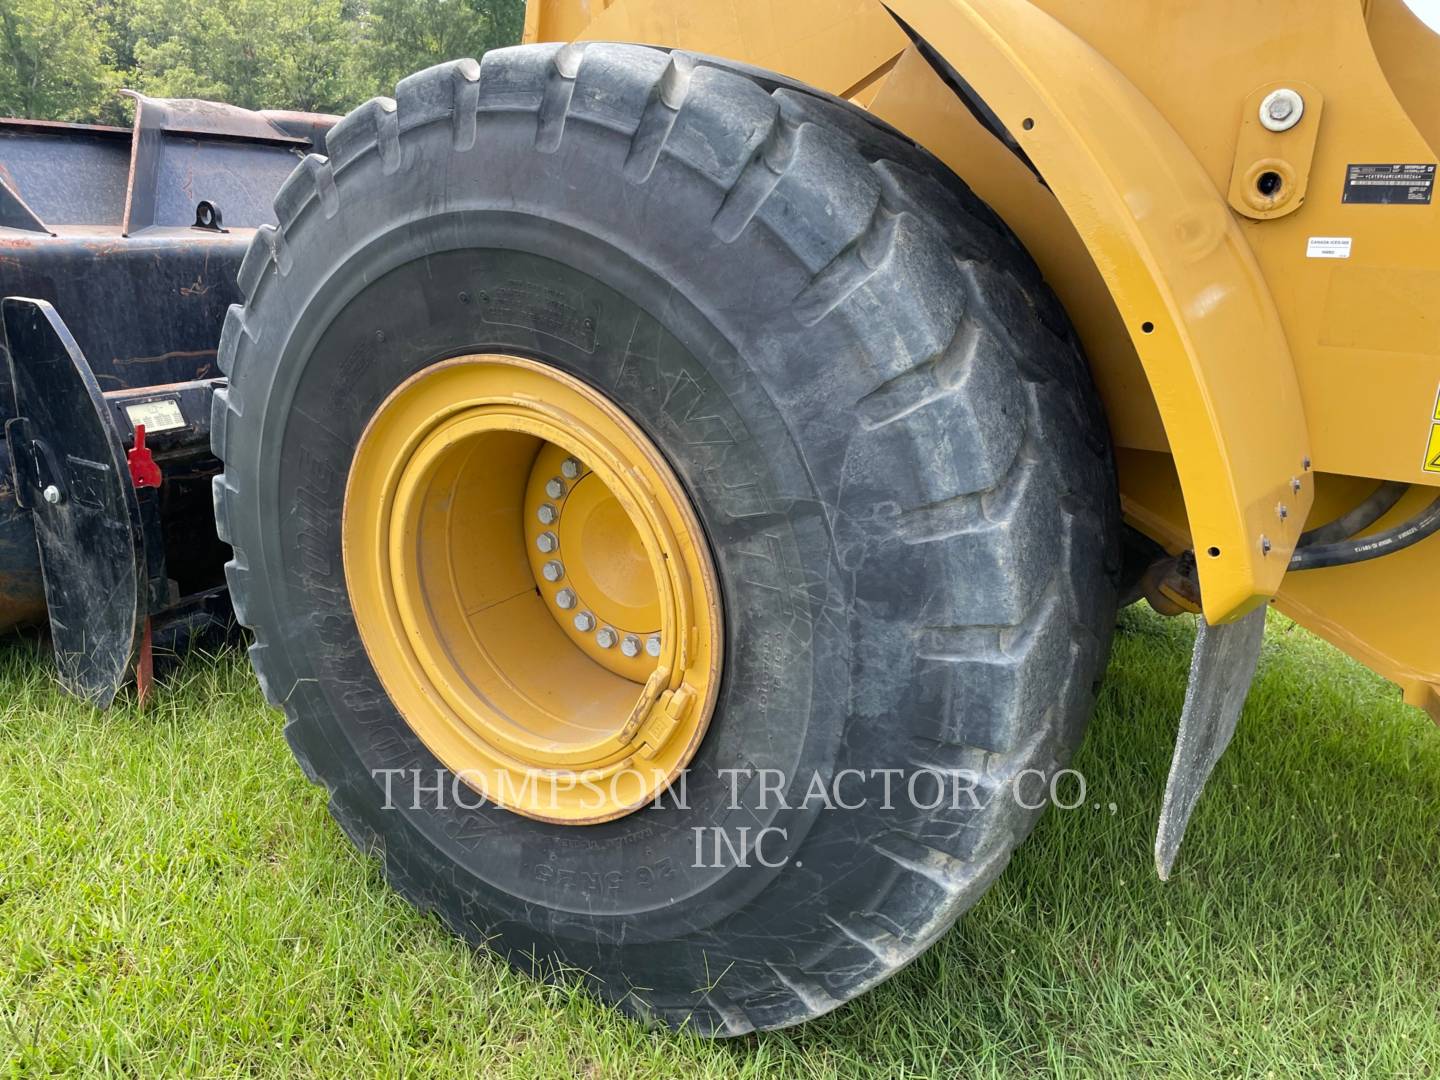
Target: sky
{"points": [[1429, 10]]}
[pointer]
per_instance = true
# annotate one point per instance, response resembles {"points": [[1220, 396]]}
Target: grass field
{"points": [[174, 900]]}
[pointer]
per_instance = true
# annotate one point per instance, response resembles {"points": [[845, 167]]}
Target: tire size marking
{"points": [[594, 882]]}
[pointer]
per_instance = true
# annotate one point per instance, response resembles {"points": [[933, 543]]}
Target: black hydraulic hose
{"points": [[1361, 549], [1380, 502]]}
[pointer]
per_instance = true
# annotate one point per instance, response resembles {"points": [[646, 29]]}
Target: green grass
{"points": [[174, 900]]}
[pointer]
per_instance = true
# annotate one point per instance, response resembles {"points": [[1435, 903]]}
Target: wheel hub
{"points": [[532, 587], [590, 561]]}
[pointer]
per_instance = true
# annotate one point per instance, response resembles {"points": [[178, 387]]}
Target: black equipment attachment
{"points": [[85, 468], [119, 253]]}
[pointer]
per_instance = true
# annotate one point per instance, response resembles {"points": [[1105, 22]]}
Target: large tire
{"points": [[880, 413]]}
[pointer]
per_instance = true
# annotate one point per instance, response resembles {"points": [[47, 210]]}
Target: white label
{"points": [[157, 416], [1328, 247]]}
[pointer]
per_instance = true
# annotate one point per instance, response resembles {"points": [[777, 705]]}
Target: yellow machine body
{"points": [[1266, 343]]}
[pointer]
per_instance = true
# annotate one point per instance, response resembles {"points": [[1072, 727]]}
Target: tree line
{"points": [[65, 59]]}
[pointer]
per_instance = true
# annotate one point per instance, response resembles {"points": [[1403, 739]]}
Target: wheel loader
{"points": [[679, 473]]}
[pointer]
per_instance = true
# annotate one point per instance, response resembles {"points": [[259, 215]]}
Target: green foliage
{"points": [[64, 59], [53, 62]]}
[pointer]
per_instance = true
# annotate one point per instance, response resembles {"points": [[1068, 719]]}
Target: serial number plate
{"points": [[1392, 185], [157, 416]]}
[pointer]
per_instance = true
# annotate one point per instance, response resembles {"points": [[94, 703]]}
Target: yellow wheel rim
{"points": [[533, 588]]}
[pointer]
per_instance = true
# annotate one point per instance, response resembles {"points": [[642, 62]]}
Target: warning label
{"points": [[157, 416], [1432, 449], [1411, 185]]}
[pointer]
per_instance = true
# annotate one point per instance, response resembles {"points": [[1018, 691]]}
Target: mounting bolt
{"points": [[546, 514], [1295, 484], [1283, 511], [52, 494], [555, 487], [565, 599], [1305, 464], [630, 646], [1281, 110], [553, 570], [546, 542], [1264, 545], [584, 622], [605, 637], [570, 468], [652, 645]]}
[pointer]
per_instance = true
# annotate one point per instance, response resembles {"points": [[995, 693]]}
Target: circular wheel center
{"points": [[612, 557], [590, 561], [532, 588]]}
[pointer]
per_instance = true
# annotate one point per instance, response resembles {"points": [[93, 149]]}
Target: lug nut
{"points": [[52, 494], [546, 542], [630, 646], [546, 514], [605, 637], [570, 468], [553, 570], [565, 599], [652, 645], [584, 622], [555, 487]]}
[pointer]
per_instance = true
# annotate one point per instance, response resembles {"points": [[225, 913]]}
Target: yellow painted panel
{"points": [[1409, 51], [832, 45], [1359, 396]]}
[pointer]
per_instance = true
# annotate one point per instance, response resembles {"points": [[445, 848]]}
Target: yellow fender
{"points": [[1181, 273]]}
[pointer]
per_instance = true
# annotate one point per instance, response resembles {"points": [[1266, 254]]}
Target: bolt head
{"points": [[553, 570], [546, 542], [606, 637], [52, 494], [630, 646], [1281, 110], [565, 599], [584, 622], [546, 514], [1295, 484], [570, 468], [652, 645], [1265, 545], [1283, 511], [555, 487]]}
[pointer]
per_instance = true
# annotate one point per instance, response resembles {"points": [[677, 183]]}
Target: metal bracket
{"points": [[1221, 671], [1272, 158]]}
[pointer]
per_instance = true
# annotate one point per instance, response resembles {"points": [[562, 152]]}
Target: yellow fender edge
{"points": [[1186, 282]]}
